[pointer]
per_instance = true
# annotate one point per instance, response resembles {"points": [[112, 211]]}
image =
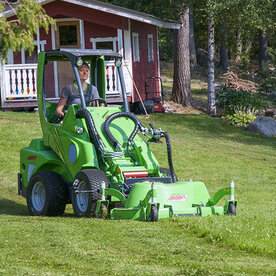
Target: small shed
{"points": [[88, 24]]}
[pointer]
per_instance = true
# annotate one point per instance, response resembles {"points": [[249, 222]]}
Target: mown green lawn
{"points": [[204, 149]]}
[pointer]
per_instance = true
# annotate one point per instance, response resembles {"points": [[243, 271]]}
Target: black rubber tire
{"points": [[53, 197], [231, 209], [84, 204], [153, 216]]}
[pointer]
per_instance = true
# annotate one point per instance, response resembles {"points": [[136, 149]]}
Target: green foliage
{"points": [[269, 83], [165, 40], [240, 119], [19, 33], [239, 16], [232, 101]]}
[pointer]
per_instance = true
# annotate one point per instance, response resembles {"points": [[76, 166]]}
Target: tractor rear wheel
{"points": [[46, 194], [86, 191]]}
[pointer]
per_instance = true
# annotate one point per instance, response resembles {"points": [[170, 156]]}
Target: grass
{"points": [[204, 149]]}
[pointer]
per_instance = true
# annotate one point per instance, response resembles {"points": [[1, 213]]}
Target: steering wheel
{"points": [[96, 102]]}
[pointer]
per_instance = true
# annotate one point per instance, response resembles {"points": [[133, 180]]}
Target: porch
{"points": [[18, 87]]}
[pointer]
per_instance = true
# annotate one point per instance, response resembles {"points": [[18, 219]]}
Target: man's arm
{"points": [[60, 106]]}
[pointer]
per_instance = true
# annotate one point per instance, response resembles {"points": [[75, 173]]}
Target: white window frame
{"points": [[41, 47], [135, 46], [150, 48], [104, 39]]}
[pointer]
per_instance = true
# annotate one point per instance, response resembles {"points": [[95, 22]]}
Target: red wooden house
{"points": [[88, 24]]}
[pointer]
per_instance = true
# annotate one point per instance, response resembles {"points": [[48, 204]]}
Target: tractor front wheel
{"points": [[86, 191], [46, 194]]}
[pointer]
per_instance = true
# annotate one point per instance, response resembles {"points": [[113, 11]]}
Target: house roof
{"points": [[116, 10]]}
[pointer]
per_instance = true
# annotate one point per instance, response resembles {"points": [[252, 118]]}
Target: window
{"points": [[68, 34], [135, 42], [107, 43], [150, 48]]}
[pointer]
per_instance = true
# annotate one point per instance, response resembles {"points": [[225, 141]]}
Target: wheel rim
{"points": [[81, 197], [38, 196]]}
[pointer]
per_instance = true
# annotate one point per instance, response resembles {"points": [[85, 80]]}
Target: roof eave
{"points": [[142, 18], [146, 19]]}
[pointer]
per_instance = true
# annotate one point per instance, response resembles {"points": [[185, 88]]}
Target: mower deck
{"points": [[167, 200]]}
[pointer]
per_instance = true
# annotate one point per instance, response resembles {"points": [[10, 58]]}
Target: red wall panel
{"points": [[92, 30], [63, 9], [144, 68]]}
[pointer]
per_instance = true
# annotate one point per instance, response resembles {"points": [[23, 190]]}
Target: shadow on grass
{"points": [[201, 124], [9, 207]]}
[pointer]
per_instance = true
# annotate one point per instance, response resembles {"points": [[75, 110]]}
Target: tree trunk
{"points": [[263, 53], [192, 40], [182, 78], [223, 50], [211, 66], [223, 58], [239, 47]]}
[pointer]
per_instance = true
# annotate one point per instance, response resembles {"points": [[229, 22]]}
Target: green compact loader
{"points": [[97, 156]]}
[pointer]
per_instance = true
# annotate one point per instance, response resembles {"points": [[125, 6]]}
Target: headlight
{"points": [[79, 62], [118, 62]]}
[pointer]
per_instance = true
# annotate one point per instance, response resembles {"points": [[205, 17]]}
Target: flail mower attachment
{"points": [[152, 201]]}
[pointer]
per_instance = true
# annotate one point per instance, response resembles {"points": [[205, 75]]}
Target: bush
{"points": [[240, 119], [233, 101], [269, 84]]}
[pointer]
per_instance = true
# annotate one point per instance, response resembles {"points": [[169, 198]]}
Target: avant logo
{"points": [[178, 197]]}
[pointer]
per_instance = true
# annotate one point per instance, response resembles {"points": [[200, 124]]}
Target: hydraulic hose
{"points": [[138, 125], [169, 151], [94, 136], [114, 116], [115, 143]]}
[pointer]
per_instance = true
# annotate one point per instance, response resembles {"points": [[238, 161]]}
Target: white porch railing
{"points": [[20, 81], [112, 78]]}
